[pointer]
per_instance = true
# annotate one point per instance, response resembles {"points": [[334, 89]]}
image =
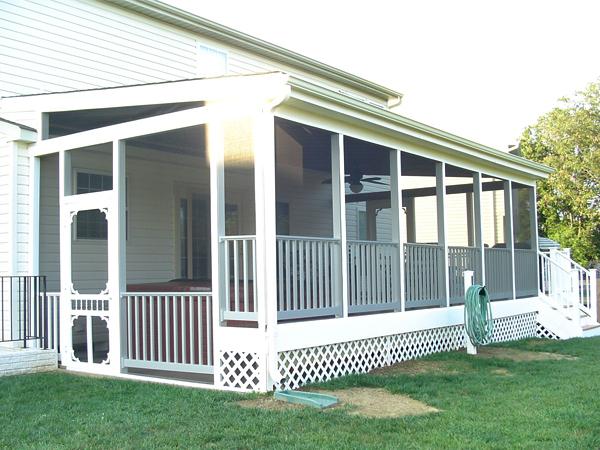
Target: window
{"points": [[282, 213], [211, 61], [92, 224], [194, 237], [362, 225]]}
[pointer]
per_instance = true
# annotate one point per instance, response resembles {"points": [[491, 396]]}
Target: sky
{"points": [[481, 69]]}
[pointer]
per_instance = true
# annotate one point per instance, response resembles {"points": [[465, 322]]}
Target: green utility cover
{"points": [[313, 399]]}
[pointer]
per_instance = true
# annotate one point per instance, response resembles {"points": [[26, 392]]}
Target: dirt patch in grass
{"points": [[514, 354], [373, 402], [419, 367], [366, 402], [501, 372]]}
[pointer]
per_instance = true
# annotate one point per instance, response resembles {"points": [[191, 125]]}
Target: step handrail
{"points": [[582, 281]]}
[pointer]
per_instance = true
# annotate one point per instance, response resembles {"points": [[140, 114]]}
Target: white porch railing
{"points": [[239, 293], [461, 259], [560, 272], [306, 277], [169, 331], [51, 319], [424, 275], [498, 277], [371, 275], [557, 287], [526, 273]]}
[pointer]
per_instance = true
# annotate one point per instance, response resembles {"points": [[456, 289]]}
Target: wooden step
{"points": [[590, 327]]}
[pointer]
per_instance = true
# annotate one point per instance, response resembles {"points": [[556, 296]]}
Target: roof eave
{"points": [[537, 170], [184, 19]]}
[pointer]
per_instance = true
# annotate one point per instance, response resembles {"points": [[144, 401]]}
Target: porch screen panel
{"points": [[240, 296], [306, 249], [463, 254], [498, 274], [526, 273]]}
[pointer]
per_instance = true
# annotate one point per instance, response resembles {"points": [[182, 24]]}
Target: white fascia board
{"points": [[10, 132], [206, 89], [392, 130], [314, 333]]}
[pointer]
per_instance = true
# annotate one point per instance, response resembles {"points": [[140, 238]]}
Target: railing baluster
{"points": [[245, 271], [152, 329], [201, 328], [161, 327], [280, 283], [321, 272], [227, 276], [192, 328], [209, 335], [295, 274]]}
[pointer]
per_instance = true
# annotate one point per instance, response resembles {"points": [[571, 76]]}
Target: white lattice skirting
{"points": [[240, 370], [543, 332], [317, 364]]}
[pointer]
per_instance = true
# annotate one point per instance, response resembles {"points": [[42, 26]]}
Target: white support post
{"points": [[215, 149], [593, 294], [508, 231], [266, 238], [117, 257], [468, 280], [64, 188], [338, 191], [470, 219], [440, 183], [478, 216], [396, 205], [34, 215]]}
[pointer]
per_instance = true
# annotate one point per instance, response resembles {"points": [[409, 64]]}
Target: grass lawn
{"points": [[485, 403]]}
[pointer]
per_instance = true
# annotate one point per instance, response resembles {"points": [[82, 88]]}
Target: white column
{"points": [[64, 188], [117, 258], [440, 183], [478, 220], [215, 149], [338, 190], [266, 237], [508, 230], [396, 205], [34, 215]]}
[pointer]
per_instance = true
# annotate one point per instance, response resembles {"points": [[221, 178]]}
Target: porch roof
{"points": [[281, 90], [413, 130]]}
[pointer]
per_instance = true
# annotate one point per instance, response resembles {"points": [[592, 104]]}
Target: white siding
{"points": [[4, 207], [62, 45]]}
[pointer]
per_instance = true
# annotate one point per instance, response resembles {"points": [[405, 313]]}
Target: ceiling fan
{"points": [[355, 180]]}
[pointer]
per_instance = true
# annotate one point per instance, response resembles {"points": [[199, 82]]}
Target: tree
{"points": [[568, 140]]}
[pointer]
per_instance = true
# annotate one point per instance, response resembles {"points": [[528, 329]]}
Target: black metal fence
{"points": [[24, 310]]}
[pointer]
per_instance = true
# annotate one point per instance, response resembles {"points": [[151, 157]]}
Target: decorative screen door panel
{"points": [[87, 303]]}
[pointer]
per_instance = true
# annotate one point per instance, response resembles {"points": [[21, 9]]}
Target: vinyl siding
{"points": [[5, 162], [61, 45]]}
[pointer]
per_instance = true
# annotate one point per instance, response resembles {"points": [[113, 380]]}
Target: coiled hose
{"points": [[478, 315]]}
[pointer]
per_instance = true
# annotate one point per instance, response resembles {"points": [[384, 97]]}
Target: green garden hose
{"points": [[478, 315]]}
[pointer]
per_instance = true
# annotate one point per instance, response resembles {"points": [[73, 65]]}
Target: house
{"points": [[185, 202]]}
